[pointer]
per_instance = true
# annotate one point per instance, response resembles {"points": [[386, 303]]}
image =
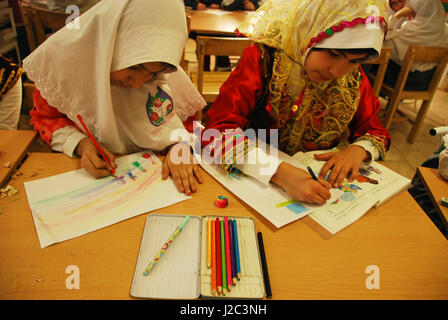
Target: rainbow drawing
{"points": [[72, 204]]}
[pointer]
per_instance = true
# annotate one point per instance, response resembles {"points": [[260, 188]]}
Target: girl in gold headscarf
{"points": [[302, 77]]}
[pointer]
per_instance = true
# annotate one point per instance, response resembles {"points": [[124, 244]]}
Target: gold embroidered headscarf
{"points": [[293, 27]]}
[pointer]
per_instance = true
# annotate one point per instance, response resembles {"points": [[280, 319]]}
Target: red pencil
{"points": [[97, 145], [218, 256], [213, 256]]}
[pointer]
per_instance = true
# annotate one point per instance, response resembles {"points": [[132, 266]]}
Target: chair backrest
{"points": [[415, 53], [43, 20], [183, 61], [219, 46], [382, 61], [27, 18]]}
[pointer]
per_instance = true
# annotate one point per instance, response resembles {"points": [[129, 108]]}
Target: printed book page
{"points": [[374, 185]]}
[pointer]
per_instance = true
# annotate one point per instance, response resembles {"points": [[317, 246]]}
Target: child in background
{"points": [[10, 94], [302, 77], [113, 72], [443, 159]]}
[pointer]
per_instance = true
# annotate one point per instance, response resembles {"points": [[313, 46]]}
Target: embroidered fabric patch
{"points": [[158, 107]]}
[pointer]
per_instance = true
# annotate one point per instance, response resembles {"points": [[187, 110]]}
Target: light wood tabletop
{"points": [[397, 240], [437, 187], [216, 21], [14, 145]]}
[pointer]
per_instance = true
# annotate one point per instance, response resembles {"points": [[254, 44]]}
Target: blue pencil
{"points": [[237, 250], [232, 252]]}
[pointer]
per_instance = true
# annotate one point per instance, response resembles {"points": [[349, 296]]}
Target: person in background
{"points": [[443, 159], [232, 5], [61, 5], [203, 4], [113, 72], [419, 22], [10, 94]]}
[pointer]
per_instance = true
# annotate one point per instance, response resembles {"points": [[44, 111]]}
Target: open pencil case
{"points": [[182, 271]]}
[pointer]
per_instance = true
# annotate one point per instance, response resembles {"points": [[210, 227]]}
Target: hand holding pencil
{"points": [[92, 162], [88, 149]]}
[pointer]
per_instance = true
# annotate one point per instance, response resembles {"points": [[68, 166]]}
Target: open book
{"points": [[371, 188], [346, 205]]}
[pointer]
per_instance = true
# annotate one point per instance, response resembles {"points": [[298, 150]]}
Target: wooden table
{"points": [[398, 238], [216, 21], [437, 188], [14, 145]]}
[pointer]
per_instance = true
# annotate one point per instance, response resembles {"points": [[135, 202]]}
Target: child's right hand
{"points": [[300, 185], [92, 161]]}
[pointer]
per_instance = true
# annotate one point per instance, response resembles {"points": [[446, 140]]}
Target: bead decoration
{"points": [[344, 24]]}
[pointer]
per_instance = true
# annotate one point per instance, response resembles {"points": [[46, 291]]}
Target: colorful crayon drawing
{"points": [[292, 205], [74, 203]]}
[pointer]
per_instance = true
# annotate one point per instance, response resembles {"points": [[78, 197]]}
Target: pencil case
{"points": [[182, 271]]}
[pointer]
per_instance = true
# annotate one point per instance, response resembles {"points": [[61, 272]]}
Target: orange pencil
{"points": [[228, 261], [218, 256], [213, 256], [209, 244], [97, 145]]}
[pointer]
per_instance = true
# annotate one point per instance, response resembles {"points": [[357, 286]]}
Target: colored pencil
{"points": [[264, 265], [218, 256], [170, 240], [232, 252], [213, 255], [96, 144], [237, 250], [223, 259], [228, 262], [209, 244]]}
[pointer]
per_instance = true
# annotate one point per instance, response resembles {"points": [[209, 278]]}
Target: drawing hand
{"points": [[92, 162], [300, 185], [179, 163], [344, 163]]}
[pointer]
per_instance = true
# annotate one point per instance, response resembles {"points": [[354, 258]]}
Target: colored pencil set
{"points": [[223, 254]]}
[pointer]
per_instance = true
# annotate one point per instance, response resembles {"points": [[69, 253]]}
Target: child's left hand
{"points": [[182, 169], [342, 163]]}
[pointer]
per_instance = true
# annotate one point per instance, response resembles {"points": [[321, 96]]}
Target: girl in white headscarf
{"points": [[111, 68]]}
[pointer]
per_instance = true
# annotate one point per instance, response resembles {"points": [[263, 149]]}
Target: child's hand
{"points": [[182, 169], [344, 163], [300, 185], [92, 161]]}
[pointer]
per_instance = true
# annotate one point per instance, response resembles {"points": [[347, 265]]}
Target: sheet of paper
{"points": [[74, 203]]}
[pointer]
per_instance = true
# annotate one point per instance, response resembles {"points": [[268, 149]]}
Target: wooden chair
{"points": [[25, 10], [183, 60], [420, 54], [43, 23], [219, 46], [378, 78]]}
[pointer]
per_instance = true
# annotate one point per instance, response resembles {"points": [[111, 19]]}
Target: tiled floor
{"points": [[404, 157]]}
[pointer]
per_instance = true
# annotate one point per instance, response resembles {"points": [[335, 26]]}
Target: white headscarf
{"points": [[72, 69], [428, 28]]}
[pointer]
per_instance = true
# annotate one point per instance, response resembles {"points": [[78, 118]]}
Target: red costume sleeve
{"points": [[238, 94], [366, 121], [46, 119]]}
